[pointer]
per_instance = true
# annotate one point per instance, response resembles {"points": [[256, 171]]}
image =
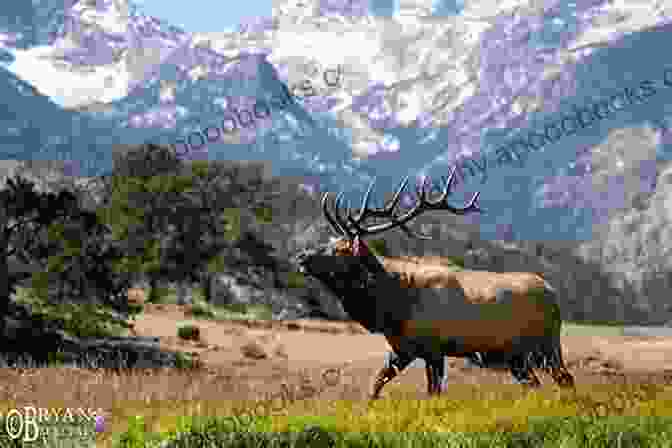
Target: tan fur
{"points": [[429, 259], [437, 272]]}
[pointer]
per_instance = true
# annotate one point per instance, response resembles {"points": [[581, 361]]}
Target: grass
{"points": [[198, 409], [200, 309], [583, 329], [234, 311], [568, 433], [464, 416], [144, 408]]}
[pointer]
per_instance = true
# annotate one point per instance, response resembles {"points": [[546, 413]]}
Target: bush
{"points": [[264, 214], [378, 247], [160, 295], [253, 350], [85, 320], [187, 362], [296, 280], [457, 261], [189, 332], [56, 358], [245, 311], [201, 310], [135, 308]]}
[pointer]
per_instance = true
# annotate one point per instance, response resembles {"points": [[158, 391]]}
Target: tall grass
{"points": [[623, 416]]}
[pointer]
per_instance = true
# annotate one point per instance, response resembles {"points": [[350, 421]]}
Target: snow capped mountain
{"points": [[490, 85]]}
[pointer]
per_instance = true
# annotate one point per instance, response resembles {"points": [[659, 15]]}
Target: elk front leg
{"points": [[394, 364], [435, 371], [439, 375], [429, 371]]}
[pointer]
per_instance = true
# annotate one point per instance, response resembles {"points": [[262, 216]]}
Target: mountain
{"points": [[555, 111]]}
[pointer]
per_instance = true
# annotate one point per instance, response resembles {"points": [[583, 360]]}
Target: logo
{"points": [[31, 423]]}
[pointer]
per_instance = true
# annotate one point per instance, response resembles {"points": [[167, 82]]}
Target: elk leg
{"points": [[429, 371], [438, 375], [475, 359], [558, 371], [522, 372], [394, 364], [435, 375]]}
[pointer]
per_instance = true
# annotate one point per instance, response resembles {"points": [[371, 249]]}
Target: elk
{"points": [[430, 312]]}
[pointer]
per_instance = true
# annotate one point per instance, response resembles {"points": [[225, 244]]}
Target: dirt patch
{"points": [[341, 358]]}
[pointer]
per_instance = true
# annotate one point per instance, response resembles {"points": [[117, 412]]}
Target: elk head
{"points": [[348, 253]]}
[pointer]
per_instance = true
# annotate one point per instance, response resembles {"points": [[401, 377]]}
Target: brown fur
{"points": [[480, 288], [491, 329]]}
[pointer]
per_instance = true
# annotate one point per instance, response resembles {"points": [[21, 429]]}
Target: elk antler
{"points": [[388, 211]]}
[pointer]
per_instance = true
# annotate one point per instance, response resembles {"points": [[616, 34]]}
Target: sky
{"points": [[205, 15], [217, 15]]}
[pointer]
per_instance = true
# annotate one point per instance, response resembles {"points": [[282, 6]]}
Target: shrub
{"points": [[378, 247], [187, 362], [135, 308], [56, 358], [457, 261], [263, 214], [189, 332], [296, 280], [201, 310], [160, 295], [80, 320], [259, 312], [246, 311], [253, 350]]}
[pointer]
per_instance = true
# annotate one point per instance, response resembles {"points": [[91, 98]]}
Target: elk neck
{"points": [[370, 294]]}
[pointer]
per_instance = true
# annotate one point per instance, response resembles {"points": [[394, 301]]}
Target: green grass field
{"points": [[463, 417]]}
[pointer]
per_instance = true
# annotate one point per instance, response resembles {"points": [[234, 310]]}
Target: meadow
{"points": [[207, 406]]}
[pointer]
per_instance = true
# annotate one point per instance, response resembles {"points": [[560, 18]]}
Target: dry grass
{"points": [[163, 397], [257, 383], [168, 399]]}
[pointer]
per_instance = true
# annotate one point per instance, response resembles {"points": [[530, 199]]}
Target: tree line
{"points": [[165, 220]]}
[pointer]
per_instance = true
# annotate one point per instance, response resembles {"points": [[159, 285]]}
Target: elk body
{"points": [[430, 311]]}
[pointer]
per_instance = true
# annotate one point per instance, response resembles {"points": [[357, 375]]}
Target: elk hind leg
{"points": [[522, 371], [558, 371], [394, 364]]}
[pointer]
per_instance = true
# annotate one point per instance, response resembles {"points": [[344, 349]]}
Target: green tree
{"points": [[225, 198], [181, 224], [51, 234], [139, 212]]}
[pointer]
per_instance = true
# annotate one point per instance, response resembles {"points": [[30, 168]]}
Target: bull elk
{"points": [[429, 312]]}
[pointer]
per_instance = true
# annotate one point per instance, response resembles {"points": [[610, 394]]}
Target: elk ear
{"points": [[359, 248]]}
